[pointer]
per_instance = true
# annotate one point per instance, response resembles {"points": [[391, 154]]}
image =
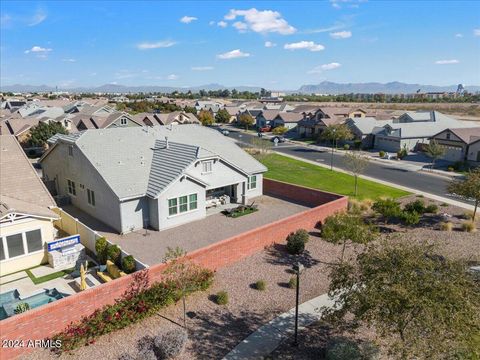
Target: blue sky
{"points": [[276, 44]]}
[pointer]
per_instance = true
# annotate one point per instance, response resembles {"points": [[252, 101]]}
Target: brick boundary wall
{"points": [[48, 320]]}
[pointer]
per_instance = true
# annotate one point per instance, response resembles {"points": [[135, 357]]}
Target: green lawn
{"points": [[302, 173], [42, 279]]}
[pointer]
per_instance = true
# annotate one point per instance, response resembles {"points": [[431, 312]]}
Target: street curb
{"points": [[414, 191]]}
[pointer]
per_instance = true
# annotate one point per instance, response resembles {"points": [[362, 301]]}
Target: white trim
{"points": [[22, 218]]}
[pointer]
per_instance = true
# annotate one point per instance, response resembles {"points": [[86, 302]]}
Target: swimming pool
{"points": [[10, 300]]}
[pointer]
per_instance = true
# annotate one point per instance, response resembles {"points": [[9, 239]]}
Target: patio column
{"points": [[244, 193]]}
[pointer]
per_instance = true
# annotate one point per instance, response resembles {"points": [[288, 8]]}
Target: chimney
{"points": [[166, 140]]}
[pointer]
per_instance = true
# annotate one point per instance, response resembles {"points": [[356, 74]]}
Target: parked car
{"points": [[265, 129], [225, 132], [280, 139]]}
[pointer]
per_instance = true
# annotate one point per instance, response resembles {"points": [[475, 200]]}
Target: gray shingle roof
{"points": [[168, 164]]}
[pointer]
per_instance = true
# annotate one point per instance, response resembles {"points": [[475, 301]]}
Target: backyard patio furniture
{"points": [[112, 272]]}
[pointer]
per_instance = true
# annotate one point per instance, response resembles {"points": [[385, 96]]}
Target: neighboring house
{"points": [[365, 129], [211, 106], [459, 144], [13, 105], [115, 119], [233, 111], [159, 177], [26, 221], [173, 118], [287, 119], [413, 130], [266, 117]]}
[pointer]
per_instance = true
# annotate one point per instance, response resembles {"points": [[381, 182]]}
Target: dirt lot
{"points": [[214, 330]]}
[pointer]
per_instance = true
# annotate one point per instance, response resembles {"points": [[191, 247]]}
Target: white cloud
{"points": [[325, 67], [240, 26], [304, 45], [222, 24], [202, 68], [265, 21], [269, 44], [69, 60], [337, 4], [155, 45], [447, 62], [459, 35], [476, 32], [37, 18], [211, 23], [38, 50], [188, 19], [172, 77], [341, 35], [233, 55]]}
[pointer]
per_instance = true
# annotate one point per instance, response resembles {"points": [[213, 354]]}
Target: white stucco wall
{"points": [[134, 214]]}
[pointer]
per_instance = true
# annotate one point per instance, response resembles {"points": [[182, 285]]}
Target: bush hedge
{"points": [[128, 264], [260, 285], [114, 254], [296, 241], [101, 246], [221, 298]]}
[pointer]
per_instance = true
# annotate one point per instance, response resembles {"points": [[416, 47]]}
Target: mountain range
{"points": [[325, 87]]}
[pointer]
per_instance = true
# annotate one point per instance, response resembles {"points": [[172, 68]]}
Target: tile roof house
{"points": [[287, 119], [266, 117], [158, 177], [25, 216], [461, 144], [173, 118]]}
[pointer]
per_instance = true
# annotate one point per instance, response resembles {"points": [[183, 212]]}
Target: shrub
{"points": [[381, 153], [431, 209], [388, 208], [402, 153], [446, 226], [450, 169], [279, 130], [357, 144], [292, 283], [410, 217], [114, 254], [170, 344], [343, 349], [101, 246], [346, 147], [296, 241], [417, 206], [128, 264], [468, 215], [260, 285], [22, 307], [221, 298], [469, 226]]}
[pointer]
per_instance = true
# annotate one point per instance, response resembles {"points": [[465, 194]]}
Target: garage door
{"points": [[452, 153], [387, 144]]}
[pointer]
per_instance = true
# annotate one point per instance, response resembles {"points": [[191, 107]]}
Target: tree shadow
{"points": [[278, 255]]}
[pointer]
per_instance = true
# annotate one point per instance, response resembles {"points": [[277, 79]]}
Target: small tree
{"points": [[435, 151], [261, 146], [43, 131], [101, 246], [335, 133], [246, 120], [388, 208], [468, 188], [279, 130], [296, 241], [428, 307], [343, 227], [222, 116], [205, 117], [356, 163]]}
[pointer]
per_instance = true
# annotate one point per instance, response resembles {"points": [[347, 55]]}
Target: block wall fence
{"points": [[48, 320]]}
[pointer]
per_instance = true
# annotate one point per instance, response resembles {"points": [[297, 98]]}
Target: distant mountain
{"points": [[327, 87], [117, 88]]}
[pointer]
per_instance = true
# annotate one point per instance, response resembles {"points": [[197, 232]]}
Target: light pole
{"points": [[298, 268], [334, 138]]}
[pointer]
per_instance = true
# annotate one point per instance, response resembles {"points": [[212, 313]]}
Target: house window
{"points": [[70, 150], [91, 197], [34, 240], [207, 167], [71, 188], [172, 207], [182, 204], [123, 121], [2, 252], [447, 135], [252, 182], [192, 199], [183, 201], [15, 245]]}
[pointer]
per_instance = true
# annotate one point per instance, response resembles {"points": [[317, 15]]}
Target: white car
{"points": [[225, 132]]}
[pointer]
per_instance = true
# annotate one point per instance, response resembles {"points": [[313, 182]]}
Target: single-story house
{"points": [[26, 218], [159, 177], [365, 129], [459, 144], [173, 118], [266, 117], [115, 119], [287, 119], [233, 111]]}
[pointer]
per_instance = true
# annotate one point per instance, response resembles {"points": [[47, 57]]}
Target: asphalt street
{"points": [[432, 184]]}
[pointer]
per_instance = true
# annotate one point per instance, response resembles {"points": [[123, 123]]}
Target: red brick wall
{"points": [[45, 321]]}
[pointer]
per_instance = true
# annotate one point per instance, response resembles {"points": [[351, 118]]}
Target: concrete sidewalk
{"points": [[268, 337]]}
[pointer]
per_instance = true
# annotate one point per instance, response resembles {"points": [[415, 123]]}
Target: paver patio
{"points": [[150, 246]]}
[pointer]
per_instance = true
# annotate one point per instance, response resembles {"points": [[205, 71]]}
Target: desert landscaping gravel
{"points": [[214, 330]]}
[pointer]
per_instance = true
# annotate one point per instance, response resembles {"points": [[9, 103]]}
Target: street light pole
{"points": [[298, 268]]}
